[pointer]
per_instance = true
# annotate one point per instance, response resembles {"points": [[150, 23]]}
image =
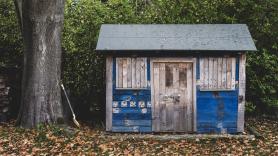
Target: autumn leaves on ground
{"points": [[90, 141]]}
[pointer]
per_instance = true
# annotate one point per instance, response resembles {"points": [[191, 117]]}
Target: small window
{"points": [[217, 73], [131, 73]]}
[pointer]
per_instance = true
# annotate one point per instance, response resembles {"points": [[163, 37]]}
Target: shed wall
{"points": [[217, 111]]}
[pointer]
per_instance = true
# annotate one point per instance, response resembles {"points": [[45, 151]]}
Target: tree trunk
{"points": [[41, 24]]}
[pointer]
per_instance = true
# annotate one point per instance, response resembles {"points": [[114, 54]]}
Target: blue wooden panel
{"points": [[133, 110], [132, 116], [131, 129], [127, 115], [217, 111], [131, 97], [132, 123]]}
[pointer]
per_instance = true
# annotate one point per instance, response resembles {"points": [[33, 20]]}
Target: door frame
{"points": [[176, 60]]}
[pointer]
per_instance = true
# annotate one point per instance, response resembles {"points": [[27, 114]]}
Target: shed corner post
{"points": [[241, 93], [109, 81], [195, 67]]}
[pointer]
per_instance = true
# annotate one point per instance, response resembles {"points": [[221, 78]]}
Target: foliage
{"points": [[83, 68], [53, 140], [10, 37]]}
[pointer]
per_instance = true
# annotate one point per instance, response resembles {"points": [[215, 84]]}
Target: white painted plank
{"points": [[162, 93], [194, 98], [109, 67], [138, 72], [143, 73], [117, 73], [224, 74], [219, 71], [229, 72], [202, 81], [156, 106], [233, 72], [215, 72], [124, 73], [129, 73], [120, 73], [189, 98], [241, 104], [206, 73], [210, 73], [176, 98], [133, 75]]}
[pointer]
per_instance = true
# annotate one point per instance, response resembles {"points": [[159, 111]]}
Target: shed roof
{"points": [[175, 37]]}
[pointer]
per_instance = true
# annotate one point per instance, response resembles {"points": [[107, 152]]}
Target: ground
{"points": [[92, 141]]}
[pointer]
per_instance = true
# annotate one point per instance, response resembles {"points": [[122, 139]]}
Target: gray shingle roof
{"points": [[171, 37]]}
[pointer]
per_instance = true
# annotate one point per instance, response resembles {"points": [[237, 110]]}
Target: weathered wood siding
{"points": [[217, 95], [241, 96], [109, 70], [217, 73], [173, 104], [131, 106], [173, 99], [131, 73], [160, 94]]}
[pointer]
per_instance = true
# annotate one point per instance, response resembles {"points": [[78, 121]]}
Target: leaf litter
{"points": [[54, 140]]}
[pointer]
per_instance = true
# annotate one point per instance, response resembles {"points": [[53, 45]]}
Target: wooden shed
{"points": [[175, 77]]}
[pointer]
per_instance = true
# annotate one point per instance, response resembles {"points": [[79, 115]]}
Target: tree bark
{"points": [[41, 23]]}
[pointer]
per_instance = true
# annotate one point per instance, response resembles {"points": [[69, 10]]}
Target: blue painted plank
{"points": [[131, 110], [237, 68], [131, 97], [131, 123], [142, 92], [198, 68], [216, 111], [131, 129], [132, 116]]}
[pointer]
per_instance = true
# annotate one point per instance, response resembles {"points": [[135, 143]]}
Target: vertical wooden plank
{"points": [[241, 97], [224, 73], [143, 72], [117, 73], [138, 72], [194, 96], [219, 71], [146, 72], [183, 93], [189, 113], [210, 73], [156, 107], [120, 72], [206, 73], [215, 72], [124, 60], [233, 72], [133, 75], [176, 98], [109, 71], [162, 94], [201, 66], [129, 73], [229, 72], [170, 92]]}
